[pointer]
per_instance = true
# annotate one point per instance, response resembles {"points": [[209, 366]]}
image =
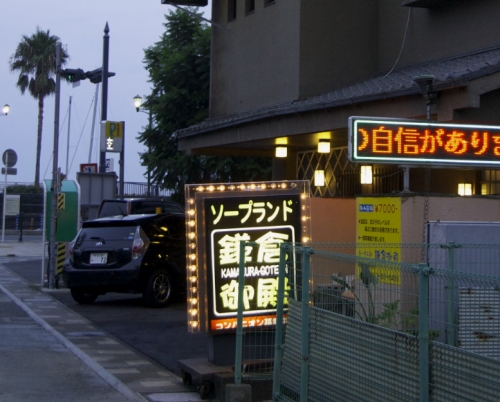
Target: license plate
{"points": [[98, 258]]}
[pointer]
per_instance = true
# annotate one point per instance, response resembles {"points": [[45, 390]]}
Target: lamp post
{"points": [[138, 105], [5, 112]]}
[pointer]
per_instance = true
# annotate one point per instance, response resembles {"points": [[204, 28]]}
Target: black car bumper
{"points": [[127, 275]]}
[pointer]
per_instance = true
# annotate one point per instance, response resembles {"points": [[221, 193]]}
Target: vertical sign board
{"points": [[266, 214], [378, 234], [112, 134]]}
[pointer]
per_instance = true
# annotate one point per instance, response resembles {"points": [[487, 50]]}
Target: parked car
{"points": [[129, 206], [128, 254]]}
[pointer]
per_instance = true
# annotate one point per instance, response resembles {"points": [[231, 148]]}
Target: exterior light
{"points": [[465, 188], [366, 174], [319, 178], [281, 151], [137, 102], [5, 110], [324, 146]]}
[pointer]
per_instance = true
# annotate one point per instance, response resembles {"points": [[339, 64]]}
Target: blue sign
{"points": [[366, 208]]}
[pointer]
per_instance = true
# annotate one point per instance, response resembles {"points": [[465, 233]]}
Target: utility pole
{"points": [[55, 188], [104, 98]]}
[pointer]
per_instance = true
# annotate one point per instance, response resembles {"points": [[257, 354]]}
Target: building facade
{"points": [[290, 73]]}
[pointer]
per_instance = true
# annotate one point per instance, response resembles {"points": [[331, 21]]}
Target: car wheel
{"points": [[83, 296], [158, 292]]}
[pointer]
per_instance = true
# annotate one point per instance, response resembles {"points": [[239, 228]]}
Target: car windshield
{"points": [[113, 208]]}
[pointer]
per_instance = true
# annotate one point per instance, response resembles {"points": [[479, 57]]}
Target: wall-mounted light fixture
{"points": [[464, 188], [366, 174], [281, 147], [319, 178], [324, 146], [281, 151]]}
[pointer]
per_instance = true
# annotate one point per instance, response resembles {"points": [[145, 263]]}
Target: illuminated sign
{"points": [[112, 136], [378, 235], [379, 140], [219, 217]]}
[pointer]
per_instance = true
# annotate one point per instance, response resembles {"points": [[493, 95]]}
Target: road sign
{"points": [[9, 158], [88, 167], [10, 171], [112, 136]]}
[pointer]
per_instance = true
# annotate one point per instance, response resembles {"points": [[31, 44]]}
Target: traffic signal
{"points": [[95, 76], [73, 74]]}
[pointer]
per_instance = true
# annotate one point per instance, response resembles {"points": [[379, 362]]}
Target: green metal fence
{"points": [[420, 324]]}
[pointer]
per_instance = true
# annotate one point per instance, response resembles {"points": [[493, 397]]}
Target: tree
{"points": [[35, 60], [179, 69]]}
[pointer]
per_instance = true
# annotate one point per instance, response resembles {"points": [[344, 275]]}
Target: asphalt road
{"points": [[158, 334]]}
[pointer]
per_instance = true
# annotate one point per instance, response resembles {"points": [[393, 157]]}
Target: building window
{"points": [[231, 10], [268, 2], [249, 6]]}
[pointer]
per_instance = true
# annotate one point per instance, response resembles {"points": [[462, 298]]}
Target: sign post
{"points": [[219, 217], [9, 159]]}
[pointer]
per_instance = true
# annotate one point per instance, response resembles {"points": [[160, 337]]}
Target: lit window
{"points": [[464, 189]]}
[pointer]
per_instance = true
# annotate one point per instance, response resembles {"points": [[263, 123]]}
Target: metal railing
{"points": [[352, 328]]}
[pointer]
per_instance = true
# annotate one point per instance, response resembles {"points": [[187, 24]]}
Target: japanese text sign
{"points": [[378, 234], [267, 221], [224, 219], [112, 136], [379, 140]]}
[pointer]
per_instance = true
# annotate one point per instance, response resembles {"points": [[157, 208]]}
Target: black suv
{"points": [[129, 206], [128, 254]]}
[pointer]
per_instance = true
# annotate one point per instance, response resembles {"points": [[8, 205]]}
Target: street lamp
{"points": [[138, 106], [5, 110]]}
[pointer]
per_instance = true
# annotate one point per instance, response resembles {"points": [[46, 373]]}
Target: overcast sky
{"points": [[134, 25]]}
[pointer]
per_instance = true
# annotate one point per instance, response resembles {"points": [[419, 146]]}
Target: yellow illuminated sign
{"points": [[112, 136], [378, 234], [218, 218]]}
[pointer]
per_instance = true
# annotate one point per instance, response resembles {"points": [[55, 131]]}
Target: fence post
{"points": [[423, 329], [239, 321], [450, 293], [304, 329], [278, 348]]}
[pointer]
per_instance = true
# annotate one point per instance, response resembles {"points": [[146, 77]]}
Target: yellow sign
{"points": [[112, 136], [378, 234]]}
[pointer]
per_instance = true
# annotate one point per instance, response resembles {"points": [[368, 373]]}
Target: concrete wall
{"points": [[298, 48], [257, 63], [338, 43], [460, 27]]}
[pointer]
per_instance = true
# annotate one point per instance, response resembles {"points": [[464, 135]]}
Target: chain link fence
{"points": [[356, 328]]}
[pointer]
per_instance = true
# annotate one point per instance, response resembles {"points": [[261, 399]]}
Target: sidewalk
{"points": [[48, 352]]}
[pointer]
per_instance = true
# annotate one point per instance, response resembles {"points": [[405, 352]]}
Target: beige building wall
{"points": [[333, 220]]}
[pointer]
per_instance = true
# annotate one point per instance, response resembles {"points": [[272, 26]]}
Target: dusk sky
{"points": [[134, 25]]}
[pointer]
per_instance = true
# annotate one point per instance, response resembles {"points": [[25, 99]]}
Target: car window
{"points": [[171, 228], [172, 209], [104, 234], [113, 208]]}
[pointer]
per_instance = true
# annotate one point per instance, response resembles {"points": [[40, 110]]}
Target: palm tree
{"points": [[35, 60]]}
